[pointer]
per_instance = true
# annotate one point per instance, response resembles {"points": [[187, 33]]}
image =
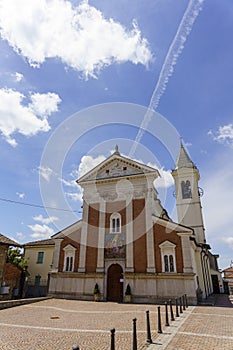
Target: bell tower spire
{"points": [[188, 203]]}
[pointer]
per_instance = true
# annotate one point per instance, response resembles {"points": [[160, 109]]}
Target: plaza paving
{"points": [[60, 324]]}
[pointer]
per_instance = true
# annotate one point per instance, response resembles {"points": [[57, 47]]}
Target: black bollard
{"points": [[183, 300], [186, 301], [134, 334], [112, 339], [181, 311], [171, 311], [149, 340], [159, 321], [166, 311], [177, 308], [76, 347]]}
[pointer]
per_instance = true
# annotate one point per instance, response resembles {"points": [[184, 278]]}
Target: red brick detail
{"points": [[12, 275], [74, 240], [160, 235], [116, 207], [139, 229], [92, 237]]}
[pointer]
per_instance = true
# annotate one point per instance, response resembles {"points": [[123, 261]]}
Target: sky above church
{"points": [[78, 77]]}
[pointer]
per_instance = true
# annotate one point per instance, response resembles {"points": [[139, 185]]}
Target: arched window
{"points": [[168, 256], [69, 256], [115, 223], [186, 189], [171, 263], [166, 266]]}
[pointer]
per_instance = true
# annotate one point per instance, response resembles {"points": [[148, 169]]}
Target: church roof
{"points": [[7, 241], [48, 241], [183, 160], [117, 166]]}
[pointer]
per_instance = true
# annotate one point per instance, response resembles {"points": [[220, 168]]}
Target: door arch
{"points": [[114, 284]]}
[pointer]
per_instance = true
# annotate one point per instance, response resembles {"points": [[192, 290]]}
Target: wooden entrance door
{"points": [[114, 285]]}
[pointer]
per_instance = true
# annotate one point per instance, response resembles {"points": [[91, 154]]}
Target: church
{"points": [[125, 237]]}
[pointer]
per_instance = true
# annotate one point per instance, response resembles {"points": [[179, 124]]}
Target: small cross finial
{"points": [[116, 150]]}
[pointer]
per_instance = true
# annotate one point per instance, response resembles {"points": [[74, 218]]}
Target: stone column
{"points": [[186, 250], [83, 242], [129, 237], [149, 232], [56, 254], [100, 258]]}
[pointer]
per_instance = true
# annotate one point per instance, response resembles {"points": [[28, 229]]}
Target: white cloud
{"points": [[71, 183], [46, 221], [28, 120], [88, 162], [217, 205], [75, 196], [20, 195], [44, 104], [80, 36], [20, 235], [165, 180], [45, 172], [41, 231], [224, 135], [229, 241], [17, 77]]}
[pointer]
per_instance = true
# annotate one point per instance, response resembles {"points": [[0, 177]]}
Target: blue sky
{"points": [[67, 68]]}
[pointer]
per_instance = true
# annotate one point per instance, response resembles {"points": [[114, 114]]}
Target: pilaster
{"points": [[100, 257], [83, 242]]}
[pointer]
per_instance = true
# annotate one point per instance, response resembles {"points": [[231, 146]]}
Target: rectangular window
{"points": [[40, 257], [37, 280]]}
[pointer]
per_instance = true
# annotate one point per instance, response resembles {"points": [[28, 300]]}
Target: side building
{"points": [[39, 256]]}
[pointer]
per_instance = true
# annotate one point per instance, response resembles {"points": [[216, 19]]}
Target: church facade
{"points": [[126, 237]]}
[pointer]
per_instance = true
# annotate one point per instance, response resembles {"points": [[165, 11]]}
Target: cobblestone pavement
{"points": [[205, 327], [58, 324]]}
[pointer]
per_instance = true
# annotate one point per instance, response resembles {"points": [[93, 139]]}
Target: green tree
{"points": [[15, 256]]}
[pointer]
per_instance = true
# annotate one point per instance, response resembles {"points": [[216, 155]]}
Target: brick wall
{"points": [[160, 235], [12, 275], [116, 207], [92, 238], [67, 240], [3, 252], [139, 228]]}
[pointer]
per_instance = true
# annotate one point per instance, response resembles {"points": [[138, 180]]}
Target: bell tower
{"points": [[188, 203]]}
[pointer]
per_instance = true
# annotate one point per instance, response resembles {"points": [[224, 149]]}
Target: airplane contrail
{"points": [[174, 51]]}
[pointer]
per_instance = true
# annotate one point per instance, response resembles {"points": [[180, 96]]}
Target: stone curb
{"points": [[12, 303]]}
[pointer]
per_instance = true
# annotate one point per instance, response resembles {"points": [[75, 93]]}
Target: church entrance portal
{"points": [[114, 284]]}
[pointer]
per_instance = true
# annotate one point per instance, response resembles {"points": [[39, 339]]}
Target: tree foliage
{"points": [[16, 257]]}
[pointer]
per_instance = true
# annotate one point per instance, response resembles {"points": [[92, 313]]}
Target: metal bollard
{"points": [[171, 311], [183, 300], [76, 347], [181, 311], [134, 334], [149, 340], [177, 308], [186, 301], [159, 321], [112, 339], [166, 311]]}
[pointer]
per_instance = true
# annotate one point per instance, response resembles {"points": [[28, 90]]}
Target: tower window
{"points": [[186, 189]]}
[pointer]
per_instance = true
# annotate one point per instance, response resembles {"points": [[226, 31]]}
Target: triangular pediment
{"points": [[117, 166]]}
